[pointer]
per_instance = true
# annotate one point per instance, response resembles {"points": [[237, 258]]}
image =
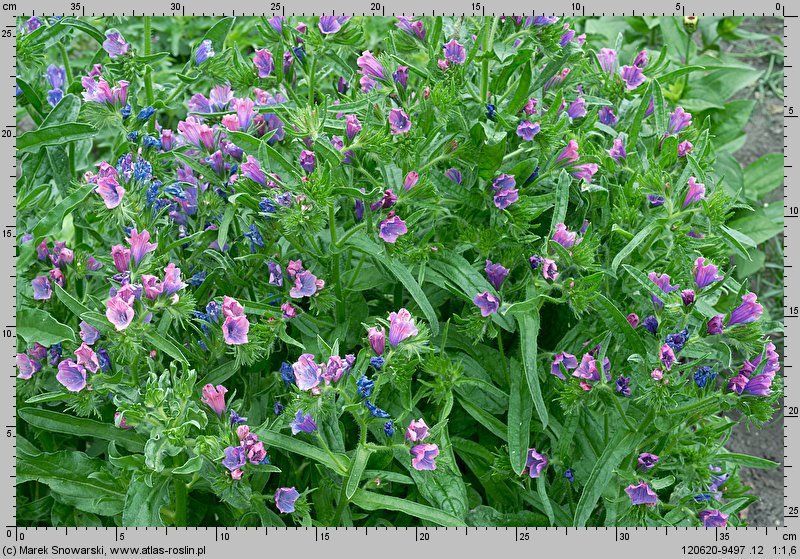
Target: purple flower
{"points": [[353, 126], [423, 456], [275, 273], [505, 197], [587, 369], [401, 76], [41, 288], [667, 356], [535, 463], [606, 116], [57, 76], [759, 385], [204, 52], [115, 45], [412, 28], [568, 361], [503, 181], [623, 385], [748, 311], [252, 170], [496, 274], [303, 423], [411, 180], [377, 339], [119, 312], [399, 122], [214, 398], [38, 351], [697, 191], [641, 59], [140, 245], [632, 76], [527, 129], [172, 279], [713, 518], [27, 366], [617, 151], [662, 282], [88, 333], [455, 52], [333, 369], [584, 171], [687, 296], [655, 201], [487, 303], [564, 236], [685, 148], [568, 36], [387, 201], [308, 161], [306, 372], [329, 24], [391, 228], [705, 274], [715, 325], [647, 461], [642, 494], [71, 375], [33, 24], [678, 120], [577, 108], [549, 269], [285, 498], [454, 175], [370, 67], [607, 59], [220, 97], [401, 326], [633, 320], [235, 329], [264, 63], [569, 154], [305, 285], [276, 22], [417, 431], [235, 457]]}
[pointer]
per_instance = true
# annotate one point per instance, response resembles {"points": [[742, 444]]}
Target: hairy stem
{"points": [[148, 77]]}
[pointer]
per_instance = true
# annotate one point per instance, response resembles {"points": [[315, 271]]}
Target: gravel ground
{"points": [[764, 136]]}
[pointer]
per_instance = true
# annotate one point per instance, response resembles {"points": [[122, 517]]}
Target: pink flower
{"points": [[41, 288], [696, 192], [417, 431], [305, 285], [487, 303], [119, 312], [264, 63], [569, 154], [231, 307], [214, 398], [667, 356], [71, 375], [411, 179], [110, 191], [152, 286], [234, 330], [306, 372], [505, 197], [27, 366], [401, 326], [140, 245], [423, 456], [172, 279], [87, 358], [377, 339], [289, 311]]}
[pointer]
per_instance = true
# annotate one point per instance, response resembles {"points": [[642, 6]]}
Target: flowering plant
{"points": [[393, 271]]}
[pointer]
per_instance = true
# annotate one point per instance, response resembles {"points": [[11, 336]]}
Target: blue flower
{"points": [[650, 324], [145, 114], [490, 110], [676, 341], [54, 96], [299, 52], [197, 279], [103, 359], [152, 192], [236, 419], [142, 170], [133, 136], [214, 311], [149, 141], [278, 409], [375, 411], [388, 429], [204, 52], [267, 206], [377, 362], [125, 111], [569, 475], [176, 190], [287, 374], [365, 386], [623, 385], [256, 240], [703, 375]]}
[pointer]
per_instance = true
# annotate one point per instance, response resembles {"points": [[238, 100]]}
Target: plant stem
{"points": [[488, 42], [699, 404], [65, 60], [148, 78], [341, 504], [181, 498], [622, 414], [337, 280], [311, 82]]}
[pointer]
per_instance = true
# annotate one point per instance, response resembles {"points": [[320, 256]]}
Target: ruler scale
{"points": [[389, 543]]}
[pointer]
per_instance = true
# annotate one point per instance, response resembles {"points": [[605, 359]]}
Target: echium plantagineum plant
{"points": [[374, 271]]}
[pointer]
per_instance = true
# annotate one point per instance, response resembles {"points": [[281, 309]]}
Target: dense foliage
{"points": [[382, 271]]}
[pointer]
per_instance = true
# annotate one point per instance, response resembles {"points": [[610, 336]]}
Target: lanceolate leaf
{"points": [[529, 343]]}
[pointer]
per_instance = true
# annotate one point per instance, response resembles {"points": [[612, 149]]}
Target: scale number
{"points": [[375, 6]]}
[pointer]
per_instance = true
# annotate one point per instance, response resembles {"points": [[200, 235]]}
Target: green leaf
{"points": [[529, 344], [370, 248], [339, 465], [218, 33], [359, 462], [523, 89], [76, 479], [763, 175], [636, 125], [222, 238], [541, 488], [638, 239], [191, 466], [36, 325], [165, 344], [761, 225], [87, 28], [63, 423], [520, 411], [374, 501], [143, 502], [52, 219], [485, 419], [562, 200], [30, 94], [58, 134], [604, 469], [617, 322], [746, 460]]}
